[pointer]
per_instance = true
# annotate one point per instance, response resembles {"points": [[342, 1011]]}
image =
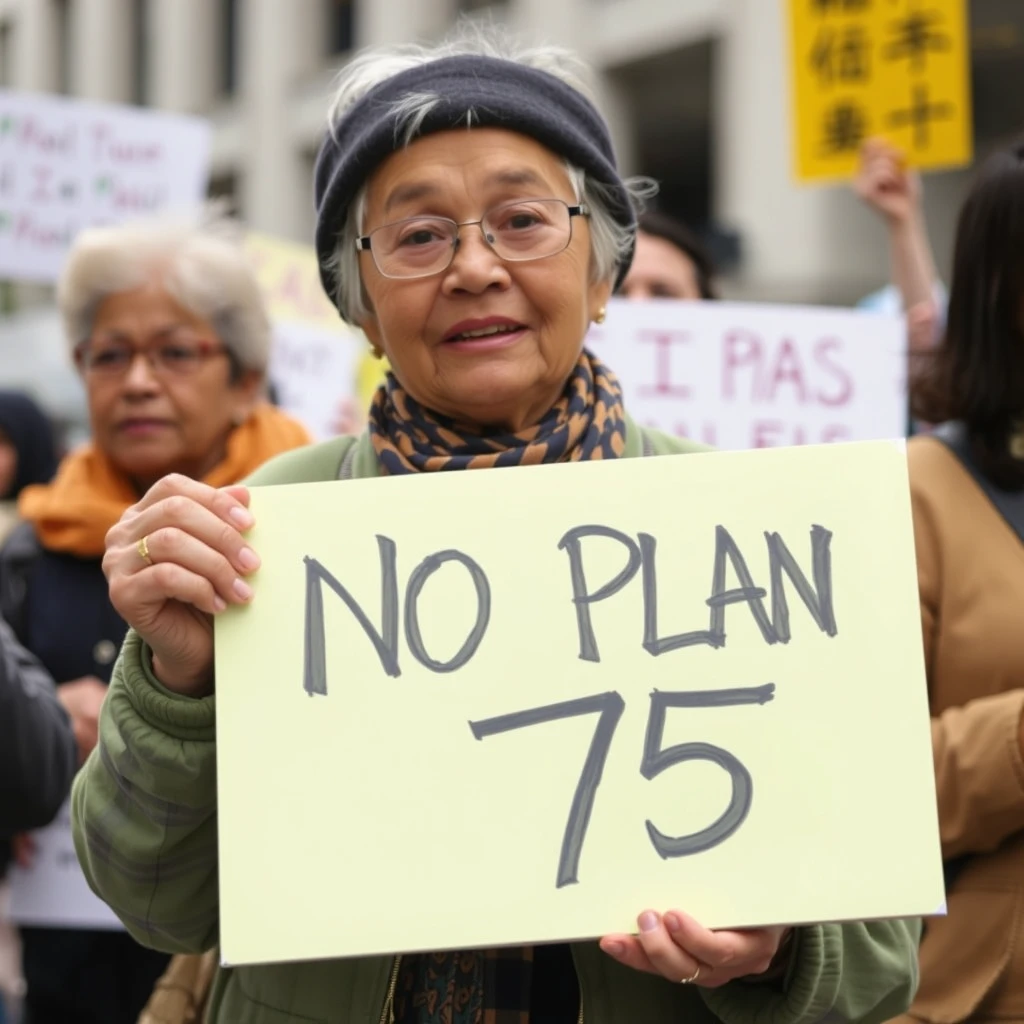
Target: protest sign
{"points": [[477, 709], [70, 164], [741, 376], [53, 892], [892, 68], [315, 360]]}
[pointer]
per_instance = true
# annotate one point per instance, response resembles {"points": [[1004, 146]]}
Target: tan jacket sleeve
{"points": [[979, 770]]}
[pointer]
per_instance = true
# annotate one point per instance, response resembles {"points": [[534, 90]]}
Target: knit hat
{"points": [[502, 94]]}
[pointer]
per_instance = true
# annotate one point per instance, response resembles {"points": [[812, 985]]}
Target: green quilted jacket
{"points": [[145, 821]]}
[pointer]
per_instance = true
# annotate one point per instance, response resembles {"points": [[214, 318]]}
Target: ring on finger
{"points": [[692, 978], [142, 546]]}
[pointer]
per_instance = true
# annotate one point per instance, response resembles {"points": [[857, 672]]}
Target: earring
{"points": [[378, 353], [601, 314]]}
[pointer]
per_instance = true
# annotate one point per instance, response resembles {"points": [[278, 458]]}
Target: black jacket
{"points": [[59, 608], [38, 756]]}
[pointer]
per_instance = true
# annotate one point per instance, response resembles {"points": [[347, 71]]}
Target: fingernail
{"points": [[648, 921], [248, 559], [242, 516], [672, 923], [219, 604], [614, 948], [242, 590]]}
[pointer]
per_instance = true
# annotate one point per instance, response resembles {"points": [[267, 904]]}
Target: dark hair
{"points": [[661, 225], [32, 435], [976, 374]]}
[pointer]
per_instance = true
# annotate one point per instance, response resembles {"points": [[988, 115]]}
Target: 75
{"points": [[609, 707]]}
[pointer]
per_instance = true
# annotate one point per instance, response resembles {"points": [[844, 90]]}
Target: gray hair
{"points": [[610, 241], [201, 262]]}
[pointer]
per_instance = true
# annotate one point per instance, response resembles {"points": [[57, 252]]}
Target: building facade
{"points": [[696, 91]]}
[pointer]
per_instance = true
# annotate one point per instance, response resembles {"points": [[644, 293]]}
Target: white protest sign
{"points": [[313, 371], [53, 892], [69, 164], [737, 375]]}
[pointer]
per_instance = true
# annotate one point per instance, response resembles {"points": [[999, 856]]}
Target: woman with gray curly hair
{"points": [[471, 220], [166, 324]]}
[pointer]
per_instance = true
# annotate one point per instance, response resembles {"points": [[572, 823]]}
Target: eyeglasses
{"points": [[176, 358], [528, 229]]}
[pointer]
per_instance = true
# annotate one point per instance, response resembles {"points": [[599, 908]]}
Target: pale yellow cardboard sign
{"points": [[899, 69], [484, 708]]}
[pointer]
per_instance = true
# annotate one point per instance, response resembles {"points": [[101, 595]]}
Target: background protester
{"points": [[38, 756], [28, 455], [28, 452], [475, 260], [894, 192], [967, 483], [670, 262], [38, 759], [167, 327]]}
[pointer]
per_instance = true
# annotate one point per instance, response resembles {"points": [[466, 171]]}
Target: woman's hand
{"points": [[679, 949], [173, 561]]}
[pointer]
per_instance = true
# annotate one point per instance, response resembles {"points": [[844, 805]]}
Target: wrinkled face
{"points": [[541, 309], [171, 418], [660, 271]]}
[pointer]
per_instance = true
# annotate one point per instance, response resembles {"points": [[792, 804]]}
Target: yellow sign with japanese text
{"points": [[467, 710], [897, 69]]}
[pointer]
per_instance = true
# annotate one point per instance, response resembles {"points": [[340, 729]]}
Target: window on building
{"points": [[341, 25], [229, 46], [140, 51], [62, 22], [6, 53]]}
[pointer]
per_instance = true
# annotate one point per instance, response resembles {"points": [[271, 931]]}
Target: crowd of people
{"points": [[474, 261]]}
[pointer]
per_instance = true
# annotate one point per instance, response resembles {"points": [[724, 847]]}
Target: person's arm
{"points": [[977, 747], [885, 184], [38, 755], [144, 810], [837, 973]]}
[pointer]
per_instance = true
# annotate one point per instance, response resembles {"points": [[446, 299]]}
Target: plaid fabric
{"points": [[488, 987], [587, 422]]}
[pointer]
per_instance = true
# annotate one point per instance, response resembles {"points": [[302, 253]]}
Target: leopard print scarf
{"points": [[587, 422]]}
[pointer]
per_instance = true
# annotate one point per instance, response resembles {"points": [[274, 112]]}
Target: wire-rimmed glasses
{"points": [[527, 229]]}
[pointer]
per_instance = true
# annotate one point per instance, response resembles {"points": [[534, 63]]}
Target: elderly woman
{"points": [[169, 333], [472, 222]]}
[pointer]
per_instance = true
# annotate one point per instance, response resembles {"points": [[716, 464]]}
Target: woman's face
{"points": [[509, 379], [173, 417], [660, 271]]}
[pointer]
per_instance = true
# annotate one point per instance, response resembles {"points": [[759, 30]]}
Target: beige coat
{"points": [[971, 581]]}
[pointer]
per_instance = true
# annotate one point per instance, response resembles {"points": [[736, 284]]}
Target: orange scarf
{"points": [[89, 495]]}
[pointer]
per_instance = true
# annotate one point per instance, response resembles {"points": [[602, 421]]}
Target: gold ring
{"points": [[693, 977], [143, 549]]}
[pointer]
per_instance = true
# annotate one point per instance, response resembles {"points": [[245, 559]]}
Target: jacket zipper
{"points": [[387, 1015]]}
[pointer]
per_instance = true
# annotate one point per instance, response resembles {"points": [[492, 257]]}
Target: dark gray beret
{"points": [[501, 93]]}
